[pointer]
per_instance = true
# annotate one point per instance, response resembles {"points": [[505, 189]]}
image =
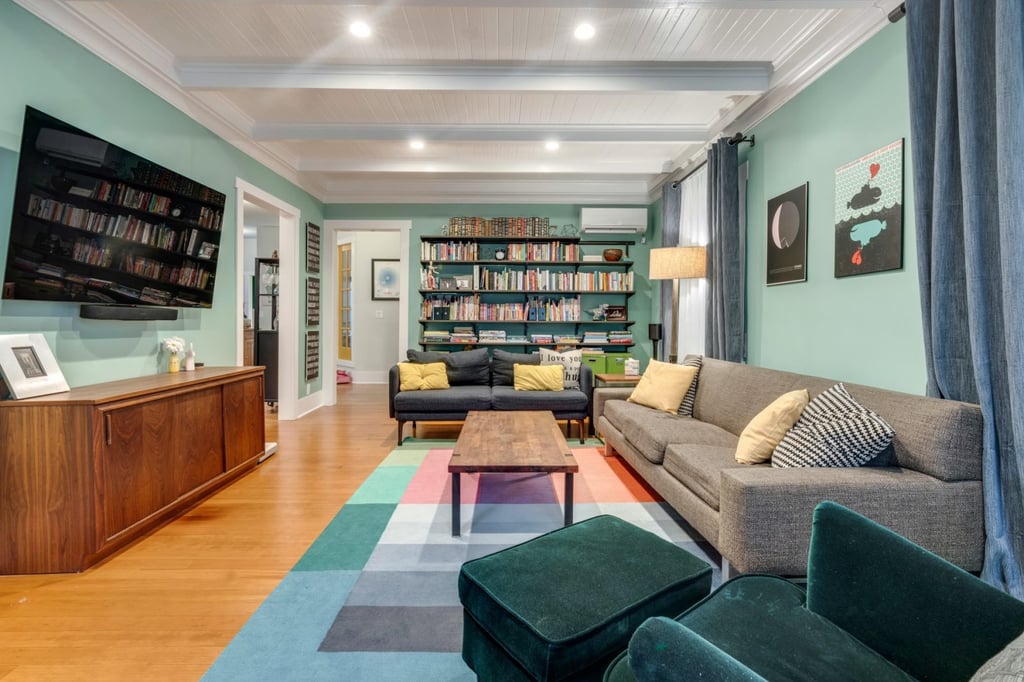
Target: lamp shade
{"points": [[679, 262]]}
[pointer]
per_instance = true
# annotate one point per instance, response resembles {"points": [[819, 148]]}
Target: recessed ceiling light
{"points": [[584, 31], [551, 145], [416, 144], [360, 29]]}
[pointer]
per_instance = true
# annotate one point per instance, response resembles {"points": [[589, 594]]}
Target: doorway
{"points": [[288, 290], [361, 286]]}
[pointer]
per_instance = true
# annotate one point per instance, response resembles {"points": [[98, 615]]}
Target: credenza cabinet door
{"points": [[137, 468], [156, 451], [244, 434]]}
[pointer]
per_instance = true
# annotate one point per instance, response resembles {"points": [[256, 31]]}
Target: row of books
{"points": [[131, 197], [464, 226], [515, 252], [469, 307], [157, 176], [122, 226]]}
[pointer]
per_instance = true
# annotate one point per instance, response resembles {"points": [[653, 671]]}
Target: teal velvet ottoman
{"points": [[562, 605]]}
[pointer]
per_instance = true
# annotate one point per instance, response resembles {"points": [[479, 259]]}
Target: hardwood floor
{"points": [[164, 608]]}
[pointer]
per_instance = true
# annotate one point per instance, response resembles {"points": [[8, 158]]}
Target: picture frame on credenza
{"points": [[28, 368]]}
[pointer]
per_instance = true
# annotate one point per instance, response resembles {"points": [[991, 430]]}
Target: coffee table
{"points": [[507, 442]]}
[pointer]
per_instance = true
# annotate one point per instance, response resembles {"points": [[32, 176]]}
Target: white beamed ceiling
{"points": [[482, 84]]}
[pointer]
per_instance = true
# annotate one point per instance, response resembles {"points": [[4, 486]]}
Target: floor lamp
{"points": [[676, 263]]}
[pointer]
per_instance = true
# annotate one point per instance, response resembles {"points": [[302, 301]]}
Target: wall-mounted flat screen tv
{"points": [[95, 223]]}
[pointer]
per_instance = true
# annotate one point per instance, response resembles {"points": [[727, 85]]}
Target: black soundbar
{"points": [[126, 312]]}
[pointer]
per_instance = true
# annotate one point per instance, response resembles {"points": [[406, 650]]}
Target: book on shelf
{"points": [[206, 251]]}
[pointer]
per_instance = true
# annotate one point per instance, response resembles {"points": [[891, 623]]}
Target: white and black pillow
{"points": [[834, 430], [570, 360], [686, 407]]}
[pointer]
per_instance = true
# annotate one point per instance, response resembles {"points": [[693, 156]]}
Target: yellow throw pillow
{"points": [[538, 377], [766, 430], [422, 377], [663, 386]]}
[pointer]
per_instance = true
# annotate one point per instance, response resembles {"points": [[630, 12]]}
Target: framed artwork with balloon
{"points": [[869, 213], [787, 237]]}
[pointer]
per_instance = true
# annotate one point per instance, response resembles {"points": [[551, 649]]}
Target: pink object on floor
{"points": [[343, 377]]}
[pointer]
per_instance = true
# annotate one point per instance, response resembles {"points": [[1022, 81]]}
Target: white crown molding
{"points": [[479, 132], [93, 25], [733, 77]]}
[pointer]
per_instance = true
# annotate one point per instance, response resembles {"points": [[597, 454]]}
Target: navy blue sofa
{"points": [[480, 382]]}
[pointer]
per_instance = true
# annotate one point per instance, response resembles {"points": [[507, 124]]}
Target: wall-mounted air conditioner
{"points": [[616, 220]]}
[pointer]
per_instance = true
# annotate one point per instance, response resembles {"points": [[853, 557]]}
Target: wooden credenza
{"points": [[85, 472]]}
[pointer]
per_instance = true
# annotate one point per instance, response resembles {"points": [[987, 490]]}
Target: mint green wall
{"points": [[864, 329], [52, 73], [430, 219]]}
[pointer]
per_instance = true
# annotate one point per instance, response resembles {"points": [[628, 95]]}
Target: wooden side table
{"points": [[616, 379]]}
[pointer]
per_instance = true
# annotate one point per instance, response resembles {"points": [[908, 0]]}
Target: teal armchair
{"points": [[875, 607]]}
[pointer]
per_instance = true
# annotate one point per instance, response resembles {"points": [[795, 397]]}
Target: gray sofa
{"points": [[478, 382], [759, 517]]}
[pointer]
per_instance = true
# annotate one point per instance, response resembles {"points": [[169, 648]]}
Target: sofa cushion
{"points": [[833, 431], [570, 360], [422, 377], [469, 367], [564, 401], [651, 431], [454, 399], [503, 364], [700, 467], [791, 642], [686, 407], [538, 378], [424, 357], [663, 386], [767, 429]]}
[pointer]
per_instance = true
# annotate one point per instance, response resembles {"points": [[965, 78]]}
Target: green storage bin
{"points": [[615, 363], [598, 363]]}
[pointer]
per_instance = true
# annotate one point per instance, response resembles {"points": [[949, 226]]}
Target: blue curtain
{"points": [[966, 72], [671, 198], [725, 336]]}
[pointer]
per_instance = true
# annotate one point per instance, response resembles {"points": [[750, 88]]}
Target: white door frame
{"points": [[329, 290], [288, 290]]}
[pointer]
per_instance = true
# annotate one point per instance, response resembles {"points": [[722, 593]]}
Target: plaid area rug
{"points": [[375, 597]]}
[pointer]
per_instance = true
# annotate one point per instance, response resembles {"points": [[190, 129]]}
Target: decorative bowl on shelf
{"points": [[612, 254]]}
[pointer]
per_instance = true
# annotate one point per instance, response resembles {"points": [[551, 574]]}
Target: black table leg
{"points": [[456, 501], [568, 498]]}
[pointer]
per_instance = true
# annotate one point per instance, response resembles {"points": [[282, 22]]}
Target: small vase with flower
{"points": [[175, 346]]}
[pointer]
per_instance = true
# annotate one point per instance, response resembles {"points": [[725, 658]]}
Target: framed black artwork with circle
{"points": [[787, 237]]}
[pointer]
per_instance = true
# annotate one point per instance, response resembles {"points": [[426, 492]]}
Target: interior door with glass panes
{"points": [[345, 302]]}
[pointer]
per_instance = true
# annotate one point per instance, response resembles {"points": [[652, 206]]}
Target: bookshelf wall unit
{"points": [[523, 292]]}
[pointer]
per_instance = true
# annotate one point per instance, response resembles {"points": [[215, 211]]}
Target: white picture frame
{"points": [[28, 368]]}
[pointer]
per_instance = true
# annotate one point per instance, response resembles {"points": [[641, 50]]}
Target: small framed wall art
{"points": [[312, 247], [787, 237], [869, 213], [384, 279], [28, 368]]}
